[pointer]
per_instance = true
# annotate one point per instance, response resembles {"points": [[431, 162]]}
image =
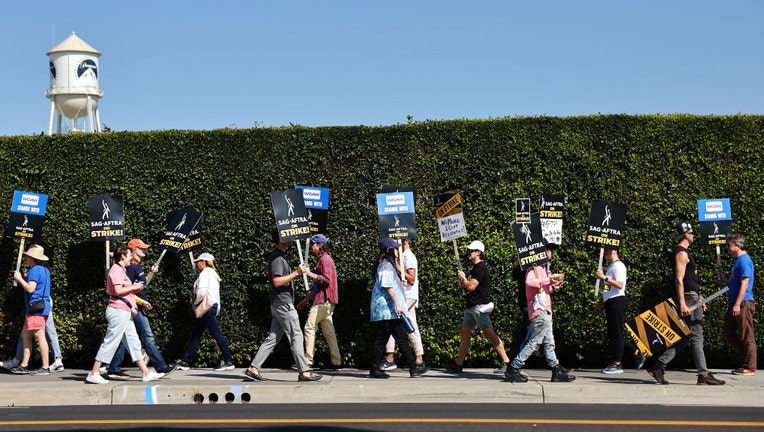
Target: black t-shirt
{"points": [[481, 294], [690, 280], [136, 274]]}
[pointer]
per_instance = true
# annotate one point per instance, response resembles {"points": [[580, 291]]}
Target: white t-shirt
{"points": [[615, 271], [208, 283], [410, 262]]}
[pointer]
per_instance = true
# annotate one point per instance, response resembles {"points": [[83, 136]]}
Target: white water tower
{"points": [[74, 90]]}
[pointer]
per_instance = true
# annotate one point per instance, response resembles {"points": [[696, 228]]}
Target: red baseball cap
{"points": [[137, 243]]}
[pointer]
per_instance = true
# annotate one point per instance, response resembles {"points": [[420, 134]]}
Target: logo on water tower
{"points": [[88, 67], [52, 70]]}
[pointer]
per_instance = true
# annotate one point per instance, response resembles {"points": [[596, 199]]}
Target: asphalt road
{"points": [[383, 417]]}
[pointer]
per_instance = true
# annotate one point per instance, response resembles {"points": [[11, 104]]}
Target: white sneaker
{"points": [[146, 358], [57, 365], [152, 376], [96, 379], [103, 369], [10, 364]]}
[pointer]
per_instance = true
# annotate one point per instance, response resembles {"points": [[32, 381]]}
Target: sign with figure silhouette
{"points": [[291, 215], [107, 218]]}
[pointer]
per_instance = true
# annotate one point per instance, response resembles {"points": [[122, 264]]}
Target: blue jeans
{"points": [[522, 335], [147, 340], [208, 321], [541, 335]]}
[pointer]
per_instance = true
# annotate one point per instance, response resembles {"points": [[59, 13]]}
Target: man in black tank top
{"points": [[687, 295]]}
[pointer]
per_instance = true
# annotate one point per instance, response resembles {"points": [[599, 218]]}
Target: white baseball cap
{"points": [[476, 245], [205, 257]]}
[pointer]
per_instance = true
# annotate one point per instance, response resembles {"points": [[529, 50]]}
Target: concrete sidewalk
{"points": [[353, 386]]}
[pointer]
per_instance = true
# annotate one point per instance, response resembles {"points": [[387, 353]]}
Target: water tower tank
{"points": [[74, 90]]}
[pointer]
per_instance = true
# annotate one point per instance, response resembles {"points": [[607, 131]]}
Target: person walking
{"points": [[325, 297], [141, 320], [119, 314], [388, 310], [36, 285], [739, 317], [614, 300], [539, 285], [479, 308], [285, 320], [207, 284], [411, 292], [687, 295]]}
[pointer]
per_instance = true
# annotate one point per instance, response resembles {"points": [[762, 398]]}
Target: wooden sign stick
{"points": [[108, 255], [719, 265], [151, 274], [304, 276], [18, 259], [456, 254], [599, 267], [193, 264]]}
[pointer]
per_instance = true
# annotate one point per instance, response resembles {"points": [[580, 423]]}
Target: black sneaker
{"points": [[514, 375], [311, 377], [419, 370], [332, 367], [169, 368], [502, 369], [112, 374], [657, 372], [710, 379], [182, 365], [41, 371], [21, 370], [224, 366], [255, 376], [455, 368], [379, 374]]}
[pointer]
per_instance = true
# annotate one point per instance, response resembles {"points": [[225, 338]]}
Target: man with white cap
{"points": [[479, 306]]}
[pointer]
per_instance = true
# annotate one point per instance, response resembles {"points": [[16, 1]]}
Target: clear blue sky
{"points": [[208, 65]]}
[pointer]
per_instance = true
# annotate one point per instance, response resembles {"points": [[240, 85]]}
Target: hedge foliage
{"points": [[657, 165]]}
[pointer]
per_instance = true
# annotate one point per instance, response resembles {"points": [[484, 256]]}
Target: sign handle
{"points": [[18, 259], [307, 249], [719, 265], [193, 267], [304, 276], [400, 263], [709, 298], [456, 254], [108, 255], [151, 274], [599, 267]]}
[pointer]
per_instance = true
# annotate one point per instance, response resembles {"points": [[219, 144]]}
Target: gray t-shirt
{"points": [[280, 267]]}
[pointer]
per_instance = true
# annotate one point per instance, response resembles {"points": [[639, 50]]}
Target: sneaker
{"points": [[41, 371], [311, 377], [103, 369], [169, 368], [514, 375], [10, 364], [613, 369], [57, 365], [379, 374], [182, 365], [152, 376], [744, 372], [502, 368], [332, 367], [146, 358], [224, 366], [20, 370], [419, 370], [114, 374], [640, 361], [710, 379], [388, 365], [96, 379], [657, 372], [455, 368], [254, 376]]}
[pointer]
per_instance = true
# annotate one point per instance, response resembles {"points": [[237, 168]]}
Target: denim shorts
{"points": [[474, 318]]}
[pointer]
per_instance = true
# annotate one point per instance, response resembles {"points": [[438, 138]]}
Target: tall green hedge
{"points": [[657, 165]]}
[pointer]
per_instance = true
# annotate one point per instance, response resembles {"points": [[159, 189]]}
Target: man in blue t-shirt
{"points": [[742, 307]]}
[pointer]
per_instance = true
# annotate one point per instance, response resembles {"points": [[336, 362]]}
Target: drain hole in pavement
{"points": [[229, 397], [198, 398], [245, 398], [213, 397]]}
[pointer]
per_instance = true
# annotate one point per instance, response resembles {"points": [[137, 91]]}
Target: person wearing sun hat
{"points": [[687, 295], [478, 308], [36, 285]]}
